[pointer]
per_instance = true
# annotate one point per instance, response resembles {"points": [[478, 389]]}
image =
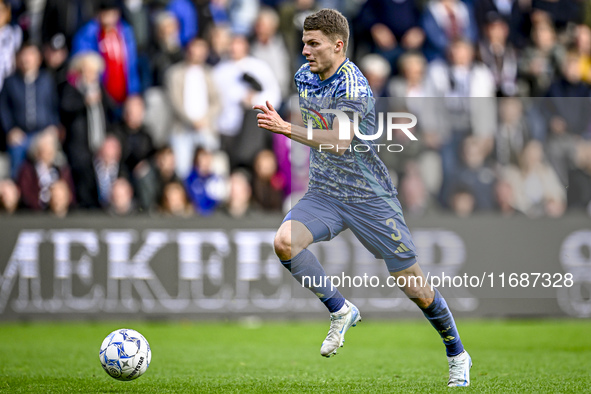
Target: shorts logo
{"points": [[402, 248]]}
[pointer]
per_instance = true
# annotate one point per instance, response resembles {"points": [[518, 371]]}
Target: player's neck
{"points": [[332, 70]]}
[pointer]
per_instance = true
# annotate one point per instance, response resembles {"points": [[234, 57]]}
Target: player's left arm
{"points": [[270, 120]]}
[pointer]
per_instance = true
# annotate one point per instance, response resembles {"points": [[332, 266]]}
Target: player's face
{"points": [[323, 54]]}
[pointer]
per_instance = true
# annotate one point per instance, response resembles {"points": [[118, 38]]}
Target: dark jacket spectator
{"points": [[579, 179], [484, 8], [65, 17], [83, 115], [539, 62], [137, 143], [166, 49], [445, 21], [475, 176], [28, 104], [390, 28], [152, 175]]}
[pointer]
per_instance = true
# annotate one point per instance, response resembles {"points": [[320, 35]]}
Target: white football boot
{"points": [[348, 316], [459, 370]]}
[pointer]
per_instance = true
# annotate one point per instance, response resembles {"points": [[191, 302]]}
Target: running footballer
{"points": [[349, 188]]}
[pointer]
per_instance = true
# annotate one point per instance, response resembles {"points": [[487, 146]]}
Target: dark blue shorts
{"points": [[378, 223]]}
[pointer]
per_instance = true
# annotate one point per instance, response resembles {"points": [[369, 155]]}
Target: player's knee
{"points": [[282, 245], [423, 302], [420, 295]]}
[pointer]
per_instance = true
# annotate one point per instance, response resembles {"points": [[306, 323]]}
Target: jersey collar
{"points": [[333, 76]]}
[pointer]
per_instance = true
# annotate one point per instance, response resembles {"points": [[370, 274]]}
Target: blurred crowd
{"points": [[144, 106]]}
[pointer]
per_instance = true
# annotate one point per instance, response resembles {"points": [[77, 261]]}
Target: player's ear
{"points": [[339, 46]]}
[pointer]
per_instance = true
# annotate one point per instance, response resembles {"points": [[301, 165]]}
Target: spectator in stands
{"points": [[55, 60], [113, 38], [9, 196], [559, 12], [536, 186], [175, 201], [291, 26], [583, 42], [64, 18], [267, 183], [83, 115], [377, 71], [504, 198], [411, 81], [242, 15], [413, 192], [462, 202], [393, 27], [540, 61], [579, 179], [195, 102], [28, 104], [475, 175], [151, 176], [60, 197], [39, 173], [206, 189], [269, 47], [499, 55], [220, 38], [446, 21], [461, 75], [568, 100], [137, 144], [121, 200], [186, 14], [561, 147], [166, 49], [484, 8], [568, 83], [459, 80], [108, 168], [239, 199], [242, 82], [11, 37], [137, 14], [513, 132]]}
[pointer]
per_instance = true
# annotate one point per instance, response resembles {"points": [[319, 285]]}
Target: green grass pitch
{"points": [[407, 356]]}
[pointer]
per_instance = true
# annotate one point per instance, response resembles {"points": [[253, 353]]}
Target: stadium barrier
{"points": [[97, 267]]}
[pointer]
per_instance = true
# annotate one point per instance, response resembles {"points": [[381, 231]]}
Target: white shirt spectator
{"points": [[233, 90], [11, 38]]}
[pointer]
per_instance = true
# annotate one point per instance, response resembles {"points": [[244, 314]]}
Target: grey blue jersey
{"points": [[358, 174]]}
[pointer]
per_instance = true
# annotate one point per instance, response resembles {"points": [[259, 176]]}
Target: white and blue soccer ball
{"points": [[125, 354]]}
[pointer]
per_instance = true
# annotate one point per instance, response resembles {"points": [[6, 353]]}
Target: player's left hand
{"points": [[270, 119]]}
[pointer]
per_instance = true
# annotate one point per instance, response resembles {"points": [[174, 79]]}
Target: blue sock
{"points": [[306, 267], [442, 320]]}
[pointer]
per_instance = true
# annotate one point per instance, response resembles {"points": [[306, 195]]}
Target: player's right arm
{"points": [[327, 140]]}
